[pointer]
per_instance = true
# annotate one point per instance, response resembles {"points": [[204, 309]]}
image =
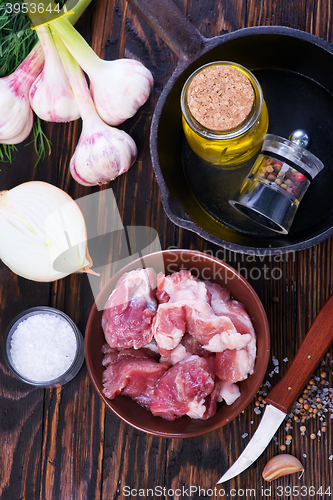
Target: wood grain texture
{"points": [[62, 444], [310, 353]]}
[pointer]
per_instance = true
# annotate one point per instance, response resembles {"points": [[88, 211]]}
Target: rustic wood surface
{"points": [[63, 444]]}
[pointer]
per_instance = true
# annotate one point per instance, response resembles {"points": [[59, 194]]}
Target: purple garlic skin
{"points": [[119, 88], [102, 153], [16, 117], [51, 96]]}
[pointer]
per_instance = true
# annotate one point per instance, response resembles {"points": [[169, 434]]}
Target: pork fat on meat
{"points": [[175, 293], [129, 311], [187, 306], [233, 365]]}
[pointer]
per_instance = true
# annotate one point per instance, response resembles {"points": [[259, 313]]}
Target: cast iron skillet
{"points": [[295, 70]]}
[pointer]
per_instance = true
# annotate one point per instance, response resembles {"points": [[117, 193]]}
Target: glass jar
{"points": [[278, 180], [71, 370], [227, 148]]}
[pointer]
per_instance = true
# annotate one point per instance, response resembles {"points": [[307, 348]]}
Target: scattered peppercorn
{"points": [[283, 176], [315, 402]]}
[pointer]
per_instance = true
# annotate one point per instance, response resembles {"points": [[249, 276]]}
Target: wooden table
{"points": [[63, 443]]}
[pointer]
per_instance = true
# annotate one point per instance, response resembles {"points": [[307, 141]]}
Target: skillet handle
{"points": [[168, 22]]}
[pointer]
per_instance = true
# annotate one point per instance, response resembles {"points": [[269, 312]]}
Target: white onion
{"points": [[43, 232]]}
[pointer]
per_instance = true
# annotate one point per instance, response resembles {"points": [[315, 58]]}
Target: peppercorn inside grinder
{"points": [[277, 182], [224, 115]]}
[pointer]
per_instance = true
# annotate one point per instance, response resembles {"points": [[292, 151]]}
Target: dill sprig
{"points": [[6, 152], [17, 39], [41, 142]]}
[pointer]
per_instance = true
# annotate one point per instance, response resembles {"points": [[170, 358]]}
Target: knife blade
{"points": [[283, 394]]}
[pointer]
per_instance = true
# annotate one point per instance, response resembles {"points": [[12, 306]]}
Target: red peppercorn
{"points": [[300, 177]]}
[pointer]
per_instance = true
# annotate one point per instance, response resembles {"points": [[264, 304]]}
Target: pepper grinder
{"points": [[278, 180]]}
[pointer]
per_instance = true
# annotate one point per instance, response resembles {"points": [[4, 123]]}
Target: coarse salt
{"points": [[43, 347]]}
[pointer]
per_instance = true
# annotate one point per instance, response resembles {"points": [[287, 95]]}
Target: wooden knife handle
{"points": [[314, 346]]}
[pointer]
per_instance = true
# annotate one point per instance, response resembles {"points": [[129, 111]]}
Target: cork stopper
{"points": [[220, 97]]}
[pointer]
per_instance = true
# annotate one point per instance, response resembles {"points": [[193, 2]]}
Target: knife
{"points": [[282, 396]]}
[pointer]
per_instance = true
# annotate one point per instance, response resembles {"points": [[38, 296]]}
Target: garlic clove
{"points": [[41, 225], [16, 131], [119, 88], [16, 117], [281, 465], [102, 153], [50, 95]]}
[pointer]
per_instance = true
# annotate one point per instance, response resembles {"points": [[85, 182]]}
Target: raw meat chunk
{"points": [[168, 327], [216, 333], [233, 365], [130, 309], [239, 363], [134, 374], [182, 389], [223, 305], [181, 286], [174, 292]]}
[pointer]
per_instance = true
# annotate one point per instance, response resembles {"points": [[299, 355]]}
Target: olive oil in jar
{"points": [[225, 117]]}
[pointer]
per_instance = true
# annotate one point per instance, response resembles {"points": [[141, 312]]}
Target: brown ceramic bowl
{"points": [[204, 267]]}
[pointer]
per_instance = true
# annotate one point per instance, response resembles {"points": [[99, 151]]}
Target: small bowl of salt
{"points": [[43, 347]]}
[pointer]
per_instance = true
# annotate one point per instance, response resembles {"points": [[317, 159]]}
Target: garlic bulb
{"points": [[16, 117], [118, 87], [103, 152], [281, 465], [50, 95], [43, 232]]}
